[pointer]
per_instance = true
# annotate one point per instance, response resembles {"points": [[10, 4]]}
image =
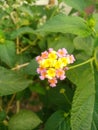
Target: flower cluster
{"points": [[53, 64]]}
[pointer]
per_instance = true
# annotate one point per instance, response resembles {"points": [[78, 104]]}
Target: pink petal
{"points": [[44, 54], [38, 58], [71, 58], [42, 77], [50, 49], [62, 52], [62, 77], [53, 85]]}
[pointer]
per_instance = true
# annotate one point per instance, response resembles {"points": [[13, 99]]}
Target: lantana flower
{"points": [[53, 65]]}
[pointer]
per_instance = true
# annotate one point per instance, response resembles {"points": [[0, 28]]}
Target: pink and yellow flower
{"points": [[53, 65]]}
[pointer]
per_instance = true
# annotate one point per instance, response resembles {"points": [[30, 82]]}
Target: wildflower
{"points": [[62, 52], [53, 65], [40, 70], [51, 73], [38, 59], [44, 54], [52, 55], [60, 74], [46, 63], [71, 59], [58, 64], [64, 61], [52, 82], [43, 75], [50, 49]]}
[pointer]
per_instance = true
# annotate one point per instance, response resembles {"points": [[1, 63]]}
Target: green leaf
{"points": [[95, 121], [24, 120], [42, 44], [95, 114], [81, 56], [12, 82], [84, 44], [66, 24], [61, 42], [27, 10], [83, 100], [21, 31], [8, 53], [31, 68], [58, 121], [96, 57], [78, 4]]}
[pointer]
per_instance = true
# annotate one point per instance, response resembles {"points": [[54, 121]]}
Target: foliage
{"points": [[26, 120], [26, 30]]}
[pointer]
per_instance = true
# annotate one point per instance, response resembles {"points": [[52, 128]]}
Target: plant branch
{"points": [[24, 49], [17, 106], [17, 45], [67, 98], [83, 63], [20, 66], [14, 20], [10, 103]]}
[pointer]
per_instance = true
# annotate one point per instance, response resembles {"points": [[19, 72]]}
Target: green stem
{"points": [[67, 98], [10, 103], [17, 106], [83, 63], [54, 12]]}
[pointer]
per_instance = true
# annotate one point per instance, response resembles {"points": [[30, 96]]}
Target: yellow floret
{"points": [[58, 64], [46, 63], [64, 61], [51, 72], [52, 55]]}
